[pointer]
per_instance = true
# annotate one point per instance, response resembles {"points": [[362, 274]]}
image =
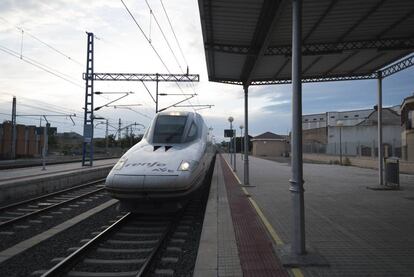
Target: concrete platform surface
{"points": [[36, 171], [217, 254], [360, 232], [23, 183]]}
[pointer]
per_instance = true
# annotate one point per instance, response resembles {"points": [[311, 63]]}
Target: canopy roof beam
{"points": [[386, 71], [321, 48], [261, 37]]}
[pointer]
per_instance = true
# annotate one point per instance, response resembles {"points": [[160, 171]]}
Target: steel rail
{"points": [[13, 205], [146, 266], [25, 216], [76, 257], [70, 261]]}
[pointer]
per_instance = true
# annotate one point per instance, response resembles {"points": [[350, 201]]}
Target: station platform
{"points": [[359, 232], [19, 183], [36, 171]]}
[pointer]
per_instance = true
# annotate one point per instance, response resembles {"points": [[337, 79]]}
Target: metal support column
{"points": [[45, 145], [14, 134], [246, 136], [340, 145], [156, 93], [296, 182], [241, 142], [87, 149], [234, 149], [231, 144], [380, 150]]}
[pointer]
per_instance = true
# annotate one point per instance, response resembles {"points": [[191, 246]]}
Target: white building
{"points": [[348, 118], [358, 133]]}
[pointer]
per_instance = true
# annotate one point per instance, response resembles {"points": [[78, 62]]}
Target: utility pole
{"points": [[156, 93], [45, 145], [126, 133], [106, 137], [13, 146], [89, 76], [87, 146]]}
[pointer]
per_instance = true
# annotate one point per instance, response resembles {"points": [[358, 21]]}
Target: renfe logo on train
{"points": [[160, 167]]}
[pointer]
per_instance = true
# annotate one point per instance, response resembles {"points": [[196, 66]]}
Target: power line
{"points": [[34, 61], [178, 44], [169, 46], [38, 65], [42, 42], [41, 108], [152, 46], [162, 32], [145, 36], [172, 29]]}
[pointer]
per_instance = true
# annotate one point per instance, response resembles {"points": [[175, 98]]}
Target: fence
{"points": [[361, 149]]}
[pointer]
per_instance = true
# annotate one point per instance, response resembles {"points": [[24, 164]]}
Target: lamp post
{"points": [[241, 140], [339, 123], [231, 145]]}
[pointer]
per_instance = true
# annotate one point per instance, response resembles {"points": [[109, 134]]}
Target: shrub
{"points": [[346, 162]]}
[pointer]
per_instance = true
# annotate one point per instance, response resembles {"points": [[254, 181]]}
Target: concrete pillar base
{"points": [[289, 259]]}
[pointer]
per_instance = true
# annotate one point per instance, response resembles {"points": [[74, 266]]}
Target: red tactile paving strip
{"points": [[256, 253]]}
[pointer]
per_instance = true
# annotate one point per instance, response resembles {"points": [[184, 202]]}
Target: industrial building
{"points": [[29, 140], [407, 134], [353, 132], [270, 144]]}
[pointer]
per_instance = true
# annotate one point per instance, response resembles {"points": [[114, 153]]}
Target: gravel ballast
{"points": [[39, 223], [39, 256]]}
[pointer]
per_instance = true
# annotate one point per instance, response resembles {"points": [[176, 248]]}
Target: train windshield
{"points": [[169, 129]]}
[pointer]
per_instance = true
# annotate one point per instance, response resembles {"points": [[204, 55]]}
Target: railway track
{"points": [[16, 212], [139, 245], [126, 248], [25, 219]]}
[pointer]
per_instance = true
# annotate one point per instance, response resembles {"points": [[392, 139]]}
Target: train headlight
{"points": [[184, 166], [120, 163]]}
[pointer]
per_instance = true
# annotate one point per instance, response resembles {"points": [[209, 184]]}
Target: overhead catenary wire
{"points": [[163, 35], [168, 44], [25, 32], [178, 44], [172, 29], [150, 43], [34, 61], [54, 108], [38, 65], [43, 109], [145, 36]]}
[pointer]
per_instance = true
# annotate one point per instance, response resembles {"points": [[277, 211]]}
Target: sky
{"points": [[52, 33]]}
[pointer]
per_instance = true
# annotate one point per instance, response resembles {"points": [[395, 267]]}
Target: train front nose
{"points": [[137, 176]]}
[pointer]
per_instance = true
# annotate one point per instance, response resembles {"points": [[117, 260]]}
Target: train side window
{"points": [[192, 133]]}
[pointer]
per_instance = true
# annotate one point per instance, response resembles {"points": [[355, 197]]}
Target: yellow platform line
{"points": [[295, 271], [235, 175], [266, 223]]}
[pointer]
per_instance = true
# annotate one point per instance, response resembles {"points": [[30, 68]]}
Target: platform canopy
{"points": [[249, 41]]}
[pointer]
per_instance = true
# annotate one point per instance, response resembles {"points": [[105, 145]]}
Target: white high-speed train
{"points": [[163, 170]]}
